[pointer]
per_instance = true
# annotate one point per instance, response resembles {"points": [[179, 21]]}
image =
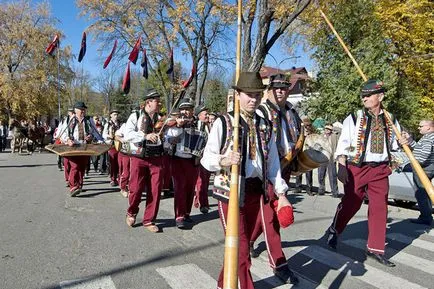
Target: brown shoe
{"points": [[152, 228], [130, 220]]}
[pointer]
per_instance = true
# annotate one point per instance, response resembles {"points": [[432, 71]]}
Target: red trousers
{"points": [[124, 170], [248, 216], [184, 174], [202, 183], [145, 174], [374, 182], [167, 176], [66, 168], [78, 166], [114, 166], [268, 223]]}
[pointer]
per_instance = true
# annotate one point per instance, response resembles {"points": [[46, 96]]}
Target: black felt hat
{"points": [[80, 105], [372, 86], [249, 82], [151, 93], [279, 80]]}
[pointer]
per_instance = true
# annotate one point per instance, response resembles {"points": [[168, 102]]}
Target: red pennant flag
{"points": [[126, 82], [53, 45], [170, 69], [187, 83], [144, 64], [83, 47], [109, 58], [135, 52]]}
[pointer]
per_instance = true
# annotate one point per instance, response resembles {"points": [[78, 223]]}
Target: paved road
{"points": [[49, 240]]}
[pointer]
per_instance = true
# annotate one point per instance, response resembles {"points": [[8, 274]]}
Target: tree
{"points": [[264, 22], [193, 26], [338, 83], [28, 79], [409, 28]]}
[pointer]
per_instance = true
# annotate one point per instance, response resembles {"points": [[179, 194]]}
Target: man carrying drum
{"points": [[80, 130], [146, 152], [363, 154]]}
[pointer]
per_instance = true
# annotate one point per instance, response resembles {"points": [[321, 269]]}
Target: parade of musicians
{"points": [[217, 144]]}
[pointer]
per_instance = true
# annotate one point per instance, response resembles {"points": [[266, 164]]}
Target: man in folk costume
{"points": [[202, 183], [259, 164], [286, 125], [109, 131], [123, 159], [58, 132], [167, 157], [80, 130], [184, 170], [363, 154], [146, 161]]}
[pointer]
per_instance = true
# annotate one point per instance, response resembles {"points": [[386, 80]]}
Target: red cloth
{"points": [[285, 215], [145, 175], [374, 182]]}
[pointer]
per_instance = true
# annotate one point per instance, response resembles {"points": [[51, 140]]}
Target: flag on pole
{"points": [[144, 64], [126, 81], [187, 83], [135, 52], [53, 45], [109, 58], [83, 47], [170, 69]]}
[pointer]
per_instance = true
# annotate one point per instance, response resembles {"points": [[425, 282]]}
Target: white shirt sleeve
{"points": [[105, 131], [344, 142], [132, 133], [211, 154], [273, 163]]}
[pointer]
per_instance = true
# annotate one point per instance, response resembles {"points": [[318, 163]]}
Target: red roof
{"points": [[296, 72]]}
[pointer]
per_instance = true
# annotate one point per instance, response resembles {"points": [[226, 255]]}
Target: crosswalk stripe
{"points": [[187, 276], [411, 241], [428, 232], [415, 262], [262, 271], [104, 282], [363, 272]]}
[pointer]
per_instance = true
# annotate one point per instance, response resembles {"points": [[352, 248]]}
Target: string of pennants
{"points": [[133, 57]]}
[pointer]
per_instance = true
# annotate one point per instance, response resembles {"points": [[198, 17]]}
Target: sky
{"points": [[72, 25]]}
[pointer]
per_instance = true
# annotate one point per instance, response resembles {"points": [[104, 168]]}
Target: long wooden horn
{"points": [[230, 277], [414, 163]]}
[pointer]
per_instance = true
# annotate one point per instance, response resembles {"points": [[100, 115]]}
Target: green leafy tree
{"points": [[338, 83]]}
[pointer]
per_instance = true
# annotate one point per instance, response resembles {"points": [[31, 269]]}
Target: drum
{"points": [[317, 151], [194, 141], [64, 150]]}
